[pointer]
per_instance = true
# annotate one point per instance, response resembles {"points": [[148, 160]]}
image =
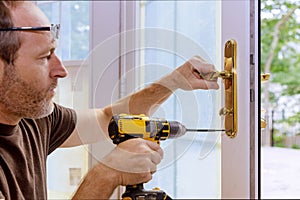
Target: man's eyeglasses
{"points": [[54, 28]]}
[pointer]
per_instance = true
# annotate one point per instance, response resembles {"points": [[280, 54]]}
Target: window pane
{"points": [[173, 32], [74, 19]]}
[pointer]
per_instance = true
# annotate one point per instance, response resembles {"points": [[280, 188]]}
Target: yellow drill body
{"points": [[123, 127]]}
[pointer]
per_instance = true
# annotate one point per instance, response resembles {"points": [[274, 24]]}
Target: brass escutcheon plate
{"points": [[230, 87]]}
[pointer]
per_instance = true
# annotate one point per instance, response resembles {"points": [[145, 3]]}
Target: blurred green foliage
{"points": [[285, 67]]}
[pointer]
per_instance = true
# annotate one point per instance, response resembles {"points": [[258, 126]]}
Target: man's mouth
{"points": [[52, 89]]}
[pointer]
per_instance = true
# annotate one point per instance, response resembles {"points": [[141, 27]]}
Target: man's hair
{"points": [[9, 40]]}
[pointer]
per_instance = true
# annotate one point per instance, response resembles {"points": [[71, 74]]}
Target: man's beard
{"points": [[22, 99]]}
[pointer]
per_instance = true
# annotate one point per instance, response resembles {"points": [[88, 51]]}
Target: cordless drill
{"points": [[123, 127]]}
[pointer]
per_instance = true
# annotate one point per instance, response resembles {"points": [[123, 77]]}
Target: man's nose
{"points": [[58, 70]]}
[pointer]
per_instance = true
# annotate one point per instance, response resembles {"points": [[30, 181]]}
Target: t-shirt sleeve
{"points": [[63, 122]]}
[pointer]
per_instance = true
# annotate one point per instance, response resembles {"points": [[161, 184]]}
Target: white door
{"points": [[151, 38]]}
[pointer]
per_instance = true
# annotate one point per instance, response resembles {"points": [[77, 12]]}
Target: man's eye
{"points": [[46, 57]]}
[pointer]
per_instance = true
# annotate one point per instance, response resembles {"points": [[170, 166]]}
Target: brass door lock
{"points": [[229, 76]]}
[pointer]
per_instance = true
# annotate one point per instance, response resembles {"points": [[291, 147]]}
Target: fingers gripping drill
{"points": [[123, 127]]}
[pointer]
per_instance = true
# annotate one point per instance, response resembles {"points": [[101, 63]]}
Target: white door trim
{"points": [[239, 177]]}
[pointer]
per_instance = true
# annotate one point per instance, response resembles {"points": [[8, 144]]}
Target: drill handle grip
{"points": [[114, 134]]}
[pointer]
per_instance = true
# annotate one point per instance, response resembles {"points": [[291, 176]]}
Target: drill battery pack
{"points": [[137, 192]]}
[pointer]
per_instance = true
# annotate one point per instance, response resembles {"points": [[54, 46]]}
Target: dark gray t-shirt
{"points": [[24, 149]]}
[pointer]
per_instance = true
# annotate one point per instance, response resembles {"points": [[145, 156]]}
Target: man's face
{"points": [[27, 87]]}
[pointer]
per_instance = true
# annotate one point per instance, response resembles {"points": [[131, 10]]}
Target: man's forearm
{"points": [[98, 184], [145, 101]]}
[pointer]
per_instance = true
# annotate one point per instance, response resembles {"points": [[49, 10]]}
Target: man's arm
{"points": [[99, 183], [92, 126]]}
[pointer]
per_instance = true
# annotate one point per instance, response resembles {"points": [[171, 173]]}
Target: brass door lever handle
{"points": [[213, 76]]}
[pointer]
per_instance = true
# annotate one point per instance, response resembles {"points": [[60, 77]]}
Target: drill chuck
{"points": [[176, 129]]}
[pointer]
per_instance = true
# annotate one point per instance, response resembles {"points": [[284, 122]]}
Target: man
{"points": [[32, 126]]}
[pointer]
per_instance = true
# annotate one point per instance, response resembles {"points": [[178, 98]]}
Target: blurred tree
{"points": [[280, 38]]}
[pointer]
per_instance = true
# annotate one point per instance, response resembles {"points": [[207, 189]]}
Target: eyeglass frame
{"points": [[53, 28]]}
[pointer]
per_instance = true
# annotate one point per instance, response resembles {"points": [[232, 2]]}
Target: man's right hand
{"points": [[131, 162]]}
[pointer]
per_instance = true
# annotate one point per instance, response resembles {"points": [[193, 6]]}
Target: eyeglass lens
{"points": [[55, 30]]}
